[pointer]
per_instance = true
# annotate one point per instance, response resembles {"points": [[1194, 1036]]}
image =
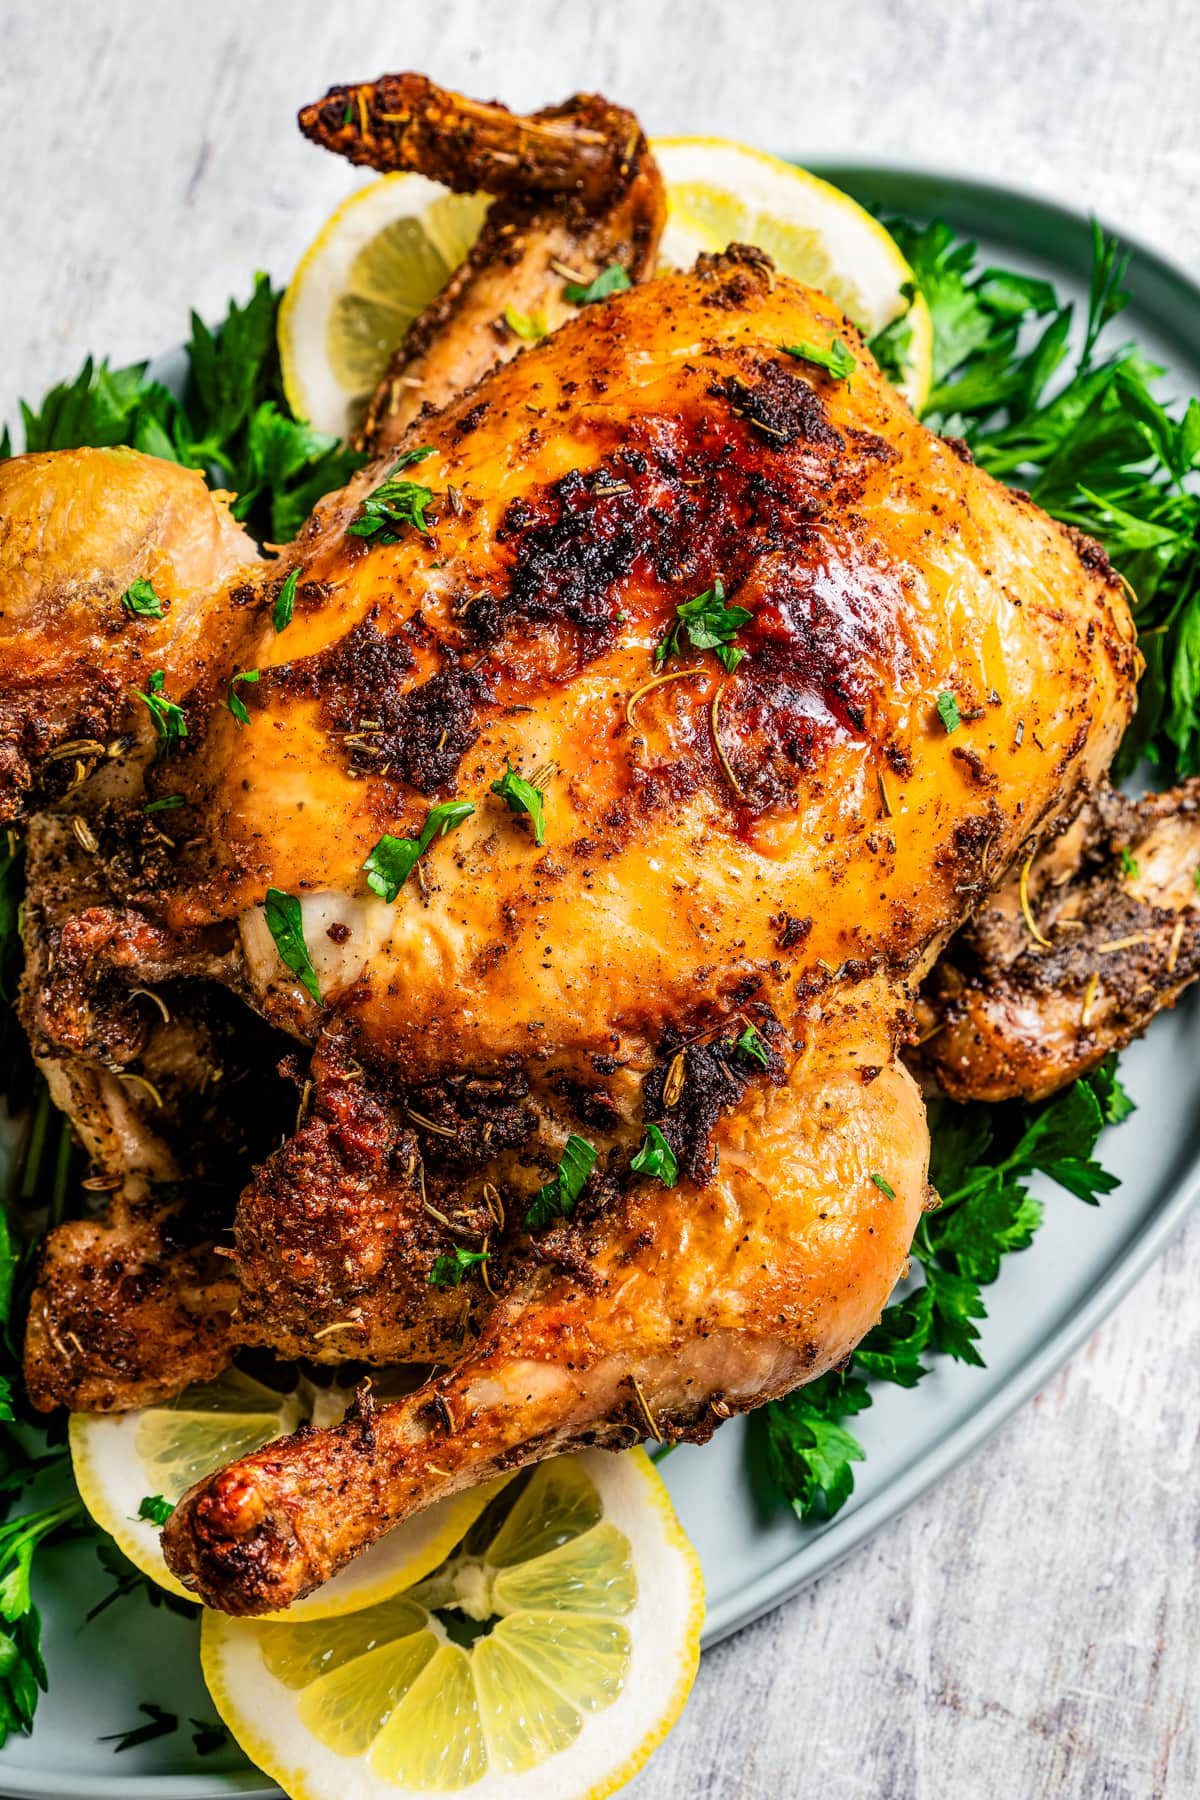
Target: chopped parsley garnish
{"points": [[837, 360], [750, 1044], [449, 1268], [208, 1735], [394, 503], [656, 1157], [141, 602], [393, 859], [155, 1509], [285, 922], [233, 699], [168, 803], [556, 1200], [161, 1724], [709, 625], [948, 712], [613, 280], [885, 1187], [530, 326], [523, 797], [285, 602], [170, 725], [1129, 865]]}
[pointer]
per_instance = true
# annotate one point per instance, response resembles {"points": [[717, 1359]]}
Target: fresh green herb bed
{"points": [[1081, 430]]}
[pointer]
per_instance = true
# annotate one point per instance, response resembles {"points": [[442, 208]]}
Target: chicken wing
{"points": [[1073, 959], [577, 192]]}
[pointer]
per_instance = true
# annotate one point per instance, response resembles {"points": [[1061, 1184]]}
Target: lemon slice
{"points": [[392, 246], [379, 260], [159, 1451], [719, 193], [544, 1660]]}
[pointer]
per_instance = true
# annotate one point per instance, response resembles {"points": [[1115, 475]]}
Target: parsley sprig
{"points": [[285, 922], [613, 280], [983, 1160], [141, 602], [449, 1268], [233, 421]]}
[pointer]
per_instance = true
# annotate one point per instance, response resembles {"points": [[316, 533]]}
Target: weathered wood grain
{"points": [[1033, 1627]]}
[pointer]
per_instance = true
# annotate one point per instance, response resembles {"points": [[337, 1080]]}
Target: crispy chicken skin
{"points": [[745, 878], [1021, 1006], [576, 191]]}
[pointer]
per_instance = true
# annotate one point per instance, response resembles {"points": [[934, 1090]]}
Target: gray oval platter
{"points": [[755, 1553]]}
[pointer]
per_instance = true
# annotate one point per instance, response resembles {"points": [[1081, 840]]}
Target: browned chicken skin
{"points": [[576, 189], [772, 855], [1028, 997]]}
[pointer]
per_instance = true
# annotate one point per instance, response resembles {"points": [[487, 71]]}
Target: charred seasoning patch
{"points": [[694, 1083], [781, 406]]}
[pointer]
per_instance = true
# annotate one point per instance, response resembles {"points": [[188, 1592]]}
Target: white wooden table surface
{"points": [[1031, 1628]]}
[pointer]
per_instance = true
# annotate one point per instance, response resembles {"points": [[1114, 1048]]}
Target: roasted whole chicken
{"points": [[756, 841]]}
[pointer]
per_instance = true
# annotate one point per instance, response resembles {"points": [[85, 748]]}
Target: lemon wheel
{"points": [[544, 1660], [125, 1464]]}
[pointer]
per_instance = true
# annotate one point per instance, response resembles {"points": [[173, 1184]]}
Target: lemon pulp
{"points": [[546, 1656]]}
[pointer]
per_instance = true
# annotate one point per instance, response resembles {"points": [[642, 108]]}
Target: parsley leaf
{"points": [[161, 1724], [892, 1350], [656, 1157], [809, 1453], [394, 503], [709, 625], [393, 859], [613, 280], [838, 360], [167, 803], [885, 1187], [233, 699], [948, 712], [170, 723], [449, 1269], [285, 922], [129, 1579], [556, 1200], [750, 1044], [523, 797], [155, 1509], [285, 602], [141, 602], [530, 326]]}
